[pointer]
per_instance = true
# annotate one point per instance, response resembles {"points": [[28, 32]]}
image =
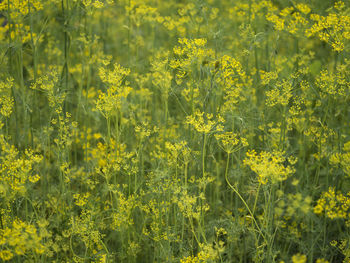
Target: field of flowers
{"points": [[175, 131]]}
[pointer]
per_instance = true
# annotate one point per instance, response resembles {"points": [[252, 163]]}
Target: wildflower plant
{"points": [[174, 131]]}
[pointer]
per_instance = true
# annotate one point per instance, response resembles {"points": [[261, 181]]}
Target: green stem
{"points": [[203, 154], [256, 197], [242, 199], [117, 127]]}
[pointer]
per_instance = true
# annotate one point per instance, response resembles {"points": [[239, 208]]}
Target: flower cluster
{"points": [[270, 166], [334, 205], [110, 101], [204, 123], [20, 239]]}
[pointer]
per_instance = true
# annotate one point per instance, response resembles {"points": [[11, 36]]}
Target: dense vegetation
{"points": [[174, 131]]}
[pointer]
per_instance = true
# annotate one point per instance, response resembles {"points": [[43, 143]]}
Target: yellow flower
{"points": [[6, 255], [230, 141], [34, 178], [298, 258], [204, 123], [269, 166], [322, 260]]}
